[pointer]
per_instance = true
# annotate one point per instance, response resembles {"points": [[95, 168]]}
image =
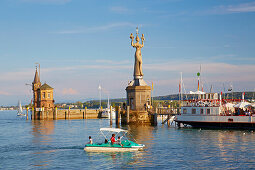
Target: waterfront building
{"points": [[42, 95]]}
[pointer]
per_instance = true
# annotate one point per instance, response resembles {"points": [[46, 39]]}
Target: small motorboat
{"points": [[124, 145], [107, 113]]}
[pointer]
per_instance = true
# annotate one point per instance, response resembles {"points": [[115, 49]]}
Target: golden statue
{"points": [[138, 73]]}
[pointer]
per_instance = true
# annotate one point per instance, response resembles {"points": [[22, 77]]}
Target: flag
{"points": [[198, 85], [152, 86]]}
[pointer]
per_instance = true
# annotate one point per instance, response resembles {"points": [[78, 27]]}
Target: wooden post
{"points": [[33, 112], [69, 113], [27, 113], [86, 113], [55, 114], [168, 121], [111, 115], [155, 123], [128, 110], [119, 115], [42, 114], [117, 108], [116, 115], [65, 114], [83, 115]]}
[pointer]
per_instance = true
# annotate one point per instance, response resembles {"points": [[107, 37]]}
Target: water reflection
{"points": [[42, 132]]}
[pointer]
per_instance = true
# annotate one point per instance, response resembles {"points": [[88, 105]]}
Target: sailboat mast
{"points": [[108, 103], [181, 87]]}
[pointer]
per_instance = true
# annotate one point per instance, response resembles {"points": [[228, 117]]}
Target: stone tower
{"points": [[35, 86], [42, 98], [46, 100]]}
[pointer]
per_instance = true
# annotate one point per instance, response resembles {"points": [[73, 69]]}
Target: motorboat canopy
{"points": [[117, 130]]}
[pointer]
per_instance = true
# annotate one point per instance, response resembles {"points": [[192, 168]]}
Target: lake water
{"points": [[26, 144]]}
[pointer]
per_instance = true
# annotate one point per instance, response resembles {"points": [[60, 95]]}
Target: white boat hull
{"points": [[106, 114], [217, 121]]}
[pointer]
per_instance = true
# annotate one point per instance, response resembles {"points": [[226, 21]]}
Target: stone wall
{"points": [[68, 114]]}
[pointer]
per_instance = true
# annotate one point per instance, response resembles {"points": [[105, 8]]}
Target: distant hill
{"points": [[120, 101]]}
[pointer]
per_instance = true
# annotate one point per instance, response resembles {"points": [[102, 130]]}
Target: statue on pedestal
{"points": [[138, 73]]}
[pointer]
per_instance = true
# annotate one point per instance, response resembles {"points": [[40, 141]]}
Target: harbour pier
{"points": [[66, 114]]}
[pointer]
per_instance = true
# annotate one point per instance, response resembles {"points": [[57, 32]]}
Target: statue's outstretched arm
{"points": [[132, 43], [142, 40], [132, 39]]}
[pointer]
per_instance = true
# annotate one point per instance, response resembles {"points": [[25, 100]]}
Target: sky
{"points": [[81, 44]]}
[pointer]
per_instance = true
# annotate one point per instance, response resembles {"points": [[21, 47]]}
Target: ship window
{"points": [[201, 111], [208, 111], [184, 111], [193, 111]]}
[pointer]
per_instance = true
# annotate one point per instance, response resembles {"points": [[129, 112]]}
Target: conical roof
{"points": [[37, 78], [45, 87]]}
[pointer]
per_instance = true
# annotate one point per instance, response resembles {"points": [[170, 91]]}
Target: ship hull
{"points": [[217, 122]]}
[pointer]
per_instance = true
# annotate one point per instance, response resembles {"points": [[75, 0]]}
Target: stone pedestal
{"points": [[138, 97], [136, 117]]}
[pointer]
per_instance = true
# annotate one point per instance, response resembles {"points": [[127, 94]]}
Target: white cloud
{"points": [[246, 7], [96, 28], [4, 93], [229, 9], [69, 91]]}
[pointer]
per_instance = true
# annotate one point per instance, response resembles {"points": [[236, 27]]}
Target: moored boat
{"points": [[209, 111]]}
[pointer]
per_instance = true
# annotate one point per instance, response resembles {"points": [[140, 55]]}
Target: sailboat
{"points": [[20, 110]]}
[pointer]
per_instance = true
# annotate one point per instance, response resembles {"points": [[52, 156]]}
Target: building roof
{"points": [[45, 87], [37, 78]]}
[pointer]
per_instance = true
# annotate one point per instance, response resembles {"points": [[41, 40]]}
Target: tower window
{"points": [[49, 95], [44, 95]]}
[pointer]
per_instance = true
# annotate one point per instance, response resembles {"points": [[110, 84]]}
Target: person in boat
{"points": [[119, 141], [113, 140], [90, 140]]}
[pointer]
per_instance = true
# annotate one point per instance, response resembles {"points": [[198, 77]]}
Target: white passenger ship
{"points": [[210, 111]]}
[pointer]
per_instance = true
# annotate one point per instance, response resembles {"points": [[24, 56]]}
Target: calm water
{"points": [[59, 145]]}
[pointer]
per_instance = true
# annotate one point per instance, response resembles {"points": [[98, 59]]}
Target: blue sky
{"points": [[81, 44]]}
